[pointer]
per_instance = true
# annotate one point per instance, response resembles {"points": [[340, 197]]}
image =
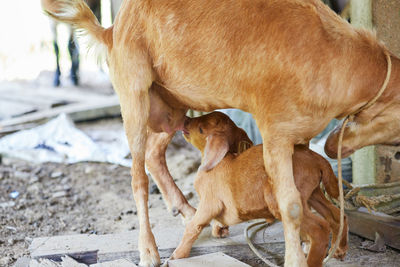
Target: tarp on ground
{"points": [[60, 141]]}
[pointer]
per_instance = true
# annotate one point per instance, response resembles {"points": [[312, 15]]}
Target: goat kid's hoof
{"points": [[220, 231], [179, 254], [149, 258], [340, 253]]}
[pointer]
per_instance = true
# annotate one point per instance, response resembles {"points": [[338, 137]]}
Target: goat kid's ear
{"points": [[216, 148]]}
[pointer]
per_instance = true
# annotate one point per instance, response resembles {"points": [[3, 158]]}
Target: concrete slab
{"points": [[209, 260], [116, 263], [92, 249]]}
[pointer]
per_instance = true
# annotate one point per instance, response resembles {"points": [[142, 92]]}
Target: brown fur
{"points": [[230, 193], [293, 64]]}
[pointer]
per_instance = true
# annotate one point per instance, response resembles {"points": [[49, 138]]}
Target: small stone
{"points": [[8, 204], [34, 188], [59, 194], [33, 180], [154, 190], [89, 169], [54, 201], [118, 218], [56, 174], [37, 170], [22, 175], [67, 188], [10, 241], [11, 228], [5, 261], [188, 195]]}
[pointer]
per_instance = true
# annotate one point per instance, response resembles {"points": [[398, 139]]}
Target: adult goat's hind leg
{"points": [[132, 76], [278, 164], [176, 202]]}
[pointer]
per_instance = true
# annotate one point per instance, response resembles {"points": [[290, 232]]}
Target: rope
{"points": [[340, 143], [252, 247]]}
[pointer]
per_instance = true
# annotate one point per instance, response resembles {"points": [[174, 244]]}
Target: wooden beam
{"points": [[366, 224], [78, 112]]}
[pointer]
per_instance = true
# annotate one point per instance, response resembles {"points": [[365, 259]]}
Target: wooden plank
{"points": [[366, 224], [124, 245], [48, 94], [9, 109], [77, 112], [17, 100]]}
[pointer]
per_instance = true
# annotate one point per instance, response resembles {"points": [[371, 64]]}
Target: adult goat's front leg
{"points": [[278, 164], [132, 90], [176, 202]]}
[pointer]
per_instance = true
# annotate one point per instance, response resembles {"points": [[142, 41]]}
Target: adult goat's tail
{"points": [[78, 14]]}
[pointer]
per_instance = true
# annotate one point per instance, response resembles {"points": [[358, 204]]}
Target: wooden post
{"points": [[363, 159], [361, 13]]}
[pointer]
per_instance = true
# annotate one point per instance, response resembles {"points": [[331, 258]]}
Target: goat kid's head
{"points": [[215, 134]]}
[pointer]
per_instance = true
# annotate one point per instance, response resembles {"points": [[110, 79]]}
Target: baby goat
{"points": [[237, 188]]}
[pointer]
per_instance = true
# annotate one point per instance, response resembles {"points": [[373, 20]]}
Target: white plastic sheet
{"points": [[60, 141]]}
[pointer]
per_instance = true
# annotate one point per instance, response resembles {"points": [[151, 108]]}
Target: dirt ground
{"points": [[59, 199]]}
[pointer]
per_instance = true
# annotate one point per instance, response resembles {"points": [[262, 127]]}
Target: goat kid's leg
{"points": [[204, 214], [176, 202], [278, 164], [317, 230], [332, 214], [131, 79]]}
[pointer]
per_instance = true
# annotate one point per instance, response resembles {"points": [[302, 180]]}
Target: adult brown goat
{"points": [[293, 64]]}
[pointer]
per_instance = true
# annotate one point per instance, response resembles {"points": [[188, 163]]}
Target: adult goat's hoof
{"points": [[149, 258]]}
